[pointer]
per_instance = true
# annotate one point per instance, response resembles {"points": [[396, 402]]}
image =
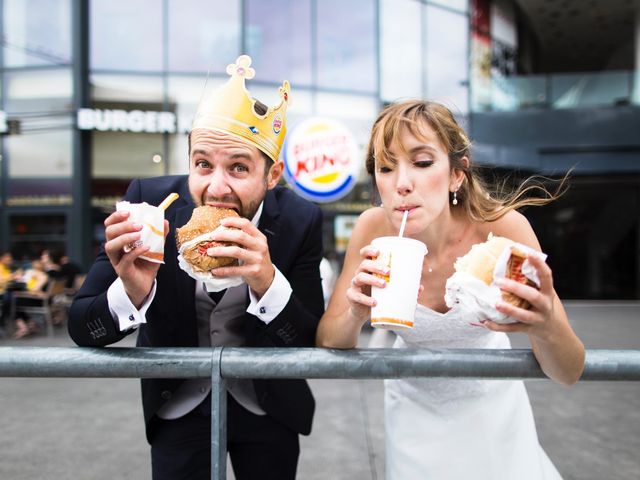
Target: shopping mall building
{"points": [[94, 93]]}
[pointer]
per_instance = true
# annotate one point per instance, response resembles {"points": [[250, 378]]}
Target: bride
{"points": [[419, 158]]}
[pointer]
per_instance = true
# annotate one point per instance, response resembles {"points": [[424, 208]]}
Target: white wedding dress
{"points": [[458, 428]]}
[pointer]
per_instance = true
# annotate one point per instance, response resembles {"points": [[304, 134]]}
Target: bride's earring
{"points": [[455, 198]]}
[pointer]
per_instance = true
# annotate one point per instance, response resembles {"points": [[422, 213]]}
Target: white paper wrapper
{"points": [[211, 283], [477, 298], [152, 233]]}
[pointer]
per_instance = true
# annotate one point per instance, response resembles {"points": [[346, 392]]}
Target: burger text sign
{"points": [[321, 160]]}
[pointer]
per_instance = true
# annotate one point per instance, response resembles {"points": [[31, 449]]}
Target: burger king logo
{"points": [[321, 160], [277, 124]]}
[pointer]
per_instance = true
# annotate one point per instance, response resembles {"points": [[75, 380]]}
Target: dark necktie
{"points": [[217, 296]]}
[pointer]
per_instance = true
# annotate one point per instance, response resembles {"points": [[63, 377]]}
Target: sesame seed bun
{"points": [[204, 220]]}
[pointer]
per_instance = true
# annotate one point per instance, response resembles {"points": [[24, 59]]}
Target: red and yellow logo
{"points": [[321, 159], [277, 124]]}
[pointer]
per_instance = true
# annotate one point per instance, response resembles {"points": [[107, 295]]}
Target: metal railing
{"points": [[220, 364]]}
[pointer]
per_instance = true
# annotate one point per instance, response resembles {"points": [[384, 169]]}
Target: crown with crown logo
{"points": [[231, 109]]}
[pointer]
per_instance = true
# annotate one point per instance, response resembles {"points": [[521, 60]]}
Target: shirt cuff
{"points": [[125, 314], [273, 301]]}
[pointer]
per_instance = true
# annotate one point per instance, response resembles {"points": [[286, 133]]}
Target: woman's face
{"points": [[419, 180]]}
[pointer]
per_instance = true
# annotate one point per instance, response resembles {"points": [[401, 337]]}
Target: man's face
{"points": [[225, 171]]}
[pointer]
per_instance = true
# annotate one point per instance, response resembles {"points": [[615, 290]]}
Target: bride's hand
{"points": [[539, 320], [365, 276]]}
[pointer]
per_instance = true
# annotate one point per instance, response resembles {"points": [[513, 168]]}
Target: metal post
{"points": [[4, 166], [79, 217], [218, 418]]}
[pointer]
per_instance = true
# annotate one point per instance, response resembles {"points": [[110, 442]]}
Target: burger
{"points": [[481, 261], [195, 238]]}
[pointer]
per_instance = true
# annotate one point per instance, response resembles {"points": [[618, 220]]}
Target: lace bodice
{"points": [[453, 329], [436, 330]]}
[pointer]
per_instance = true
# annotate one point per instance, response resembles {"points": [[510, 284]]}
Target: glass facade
{"points": [[446, 51], [280, 42], [345, 61], [36, 33], [126, 36], [37, 160], [202, 36], [346, 45], [401, 31]]}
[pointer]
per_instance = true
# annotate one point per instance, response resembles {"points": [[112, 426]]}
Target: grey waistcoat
{"points": [[218, 325]]}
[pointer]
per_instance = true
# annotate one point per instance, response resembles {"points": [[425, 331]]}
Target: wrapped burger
{"points": [[195, 238], [473, 285]]}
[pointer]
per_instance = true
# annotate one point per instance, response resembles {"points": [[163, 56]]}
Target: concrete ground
{"points": [[92, 429]]}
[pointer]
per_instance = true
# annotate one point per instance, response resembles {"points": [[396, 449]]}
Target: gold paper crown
{"points": [[231, 109]]}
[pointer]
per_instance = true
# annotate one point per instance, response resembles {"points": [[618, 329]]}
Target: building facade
{"points": [[97, 92]]}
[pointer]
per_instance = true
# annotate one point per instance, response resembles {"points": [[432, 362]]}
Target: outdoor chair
{"points": [[38, 303], [61, 302]]}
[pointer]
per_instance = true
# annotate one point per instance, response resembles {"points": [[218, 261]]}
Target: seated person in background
{"points": [[49, 265], [35, 280], [60, 269], [58, 265], [7, 275], [6, 270]]}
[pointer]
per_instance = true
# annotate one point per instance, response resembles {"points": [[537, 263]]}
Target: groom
{"points": [[234, 149]]}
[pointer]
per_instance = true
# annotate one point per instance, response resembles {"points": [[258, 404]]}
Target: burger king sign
{"points": [[321, 160]]}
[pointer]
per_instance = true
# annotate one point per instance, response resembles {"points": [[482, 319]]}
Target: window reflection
{"points": [[37, 32], [185, 92], [203, 36], [39, 91], [126, 35], [39, 192], [400, 49], [178, 155], [447, 64], [346, 33], [136, 89], [40, 154], [126, 155], [278, 38], [461, 5], [2, 183], [30, 234], [343, 106]]}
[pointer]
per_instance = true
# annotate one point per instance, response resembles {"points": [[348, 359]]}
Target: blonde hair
{"points": [[481, 201]]}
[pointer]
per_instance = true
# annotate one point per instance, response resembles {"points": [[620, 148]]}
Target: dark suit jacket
{"points": [[293, 228]]}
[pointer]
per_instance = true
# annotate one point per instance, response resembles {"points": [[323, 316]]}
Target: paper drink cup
{"points": [[396, 302], [152, 234]]}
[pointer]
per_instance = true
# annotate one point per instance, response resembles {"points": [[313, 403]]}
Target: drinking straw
{"points": [[404, 222]]}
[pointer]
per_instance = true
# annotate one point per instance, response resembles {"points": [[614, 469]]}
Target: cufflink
{"points": [[131, 318], [263, 310]]}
